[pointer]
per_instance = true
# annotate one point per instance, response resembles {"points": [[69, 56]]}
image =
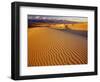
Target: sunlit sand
{"points": [[50, 46]]}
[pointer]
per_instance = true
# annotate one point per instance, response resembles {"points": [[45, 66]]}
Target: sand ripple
{"points": [[48, 47]]}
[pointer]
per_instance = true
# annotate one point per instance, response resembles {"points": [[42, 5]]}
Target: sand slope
{"points": [[47, 46]]}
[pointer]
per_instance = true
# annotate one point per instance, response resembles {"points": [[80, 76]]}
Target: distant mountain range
{"points": [[30, 21]]}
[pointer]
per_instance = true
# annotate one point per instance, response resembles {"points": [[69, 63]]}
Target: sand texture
{"points": [[49, 46]]}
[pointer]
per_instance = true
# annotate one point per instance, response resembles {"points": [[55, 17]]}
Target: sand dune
{"points": [[47, 46]]}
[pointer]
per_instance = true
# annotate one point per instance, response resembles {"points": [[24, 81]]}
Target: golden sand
{"points": [[80, 26], [48, 46]]}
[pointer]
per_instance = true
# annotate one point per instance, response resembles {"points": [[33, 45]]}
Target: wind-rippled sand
{"points": [[47, 47]]}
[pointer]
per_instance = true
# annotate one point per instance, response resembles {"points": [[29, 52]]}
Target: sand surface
{"points": [[48, 46]]}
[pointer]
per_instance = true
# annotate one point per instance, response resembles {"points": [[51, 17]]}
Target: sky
{"points": [[69, 18]]}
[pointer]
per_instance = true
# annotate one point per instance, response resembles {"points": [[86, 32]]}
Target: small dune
{"points": [[50, 47]]}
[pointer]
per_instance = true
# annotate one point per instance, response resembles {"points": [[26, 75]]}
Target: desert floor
{"points": [[48, 47]]}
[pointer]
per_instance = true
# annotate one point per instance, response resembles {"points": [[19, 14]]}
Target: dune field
{"points": [[49, 47]]}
